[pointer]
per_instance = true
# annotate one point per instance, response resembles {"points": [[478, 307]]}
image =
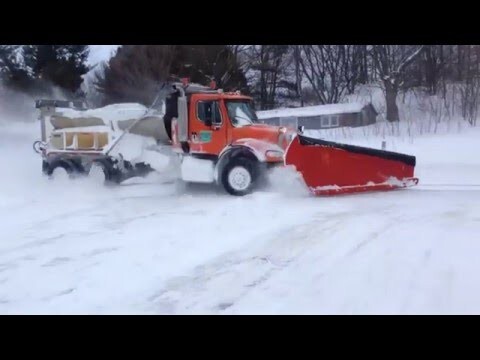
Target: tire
{"points": [[45, 167], [60, 168], [105, 167], [239, 176], [98, 173]]}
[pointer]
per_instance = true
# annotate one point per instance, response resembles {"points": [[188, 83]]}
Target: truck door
{"points": [[208, 128]]}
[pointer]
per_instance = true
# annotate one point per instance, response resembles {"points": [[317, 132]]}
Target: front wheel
{"points": [[239, 176]]}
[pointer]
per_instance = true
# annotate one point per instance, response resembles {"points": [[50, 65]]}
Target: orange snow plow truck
{"points": [[216, 138]]}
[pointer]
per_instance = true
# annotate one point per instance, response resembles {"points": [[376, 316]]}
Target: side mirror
{"points": [[301, 129]]}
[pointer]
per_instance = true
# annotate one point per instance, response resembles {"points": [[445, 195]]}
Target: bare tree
{"points": [[297, 58], [434, 61], [267, 67], [240, 54], [362, 59], [391, 63], [470, 94], [331, 70], [470, 87]]}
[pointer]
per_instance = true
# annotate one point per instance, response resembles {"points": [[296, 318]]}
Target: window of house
{"points": [[310, 122], [330, 121], [334, 121]]}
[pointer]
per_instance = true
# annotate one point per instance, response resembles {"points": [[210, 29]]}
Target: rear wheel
{"points": [[60, 173], [60, 170], [103, 172], [97, 174], [238, 177]]}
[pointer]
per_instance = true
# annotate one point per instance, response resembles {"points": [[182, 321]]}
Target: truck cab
{"points": [[220, 140]]}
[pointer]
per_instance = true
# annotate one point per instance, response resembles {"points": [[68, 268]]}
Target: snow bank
{"points": [[329, 109]]}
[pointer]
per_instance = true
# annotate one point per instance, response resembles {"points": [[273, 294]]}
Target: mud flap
{"points": [[330, 168]]}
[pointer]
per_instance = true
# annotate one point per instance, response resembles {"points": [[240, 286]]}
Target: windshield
{"points": [[241, 113]]}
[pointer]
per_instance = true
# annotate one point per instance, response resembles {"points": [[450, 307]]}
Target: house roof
{"points": [[329, 109]]}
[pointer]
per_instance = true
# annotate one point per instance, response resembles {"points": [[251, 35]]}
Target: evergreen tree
{"points": [[13, 72], [35, 68], [135, 72], [58, 65]]}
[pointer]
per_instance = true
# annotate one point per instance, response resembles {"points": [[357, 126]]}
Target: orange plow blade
{"points": [[330, 168]]}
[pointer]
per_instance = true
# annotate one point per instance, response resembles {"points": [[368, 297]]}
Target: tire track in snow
{"points": [[225, 281], [216, 287]]}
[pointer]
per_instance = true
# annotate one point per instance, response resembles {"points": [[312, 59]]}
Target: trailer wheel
{"points": [[238, 176], [104, 172], [97, 173], [45, 167], [60, 170]]}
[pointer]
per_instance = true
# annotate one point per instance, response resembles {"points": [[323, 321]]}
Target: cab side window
{"points": [[209, 112]]}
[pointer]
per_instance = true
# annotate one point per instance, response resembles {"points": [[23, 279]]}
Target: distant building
{"points": [[321, 116]]}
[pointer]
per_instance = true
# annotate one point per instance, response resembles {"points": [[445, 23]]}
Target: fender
{"points": [[230, 152], [250, 148], [259, 148]]}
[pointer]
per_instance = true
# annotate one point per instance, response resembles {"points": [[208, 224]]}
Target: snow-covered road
{"points": [[75, 247]]}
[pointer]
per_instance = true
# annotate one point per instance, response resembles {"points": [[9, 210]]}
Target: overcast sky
{"points": [[100, 53]]}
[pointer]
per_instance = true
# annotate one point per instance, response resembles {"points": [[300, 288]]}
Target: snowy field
{"points": [[153, 248]]}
